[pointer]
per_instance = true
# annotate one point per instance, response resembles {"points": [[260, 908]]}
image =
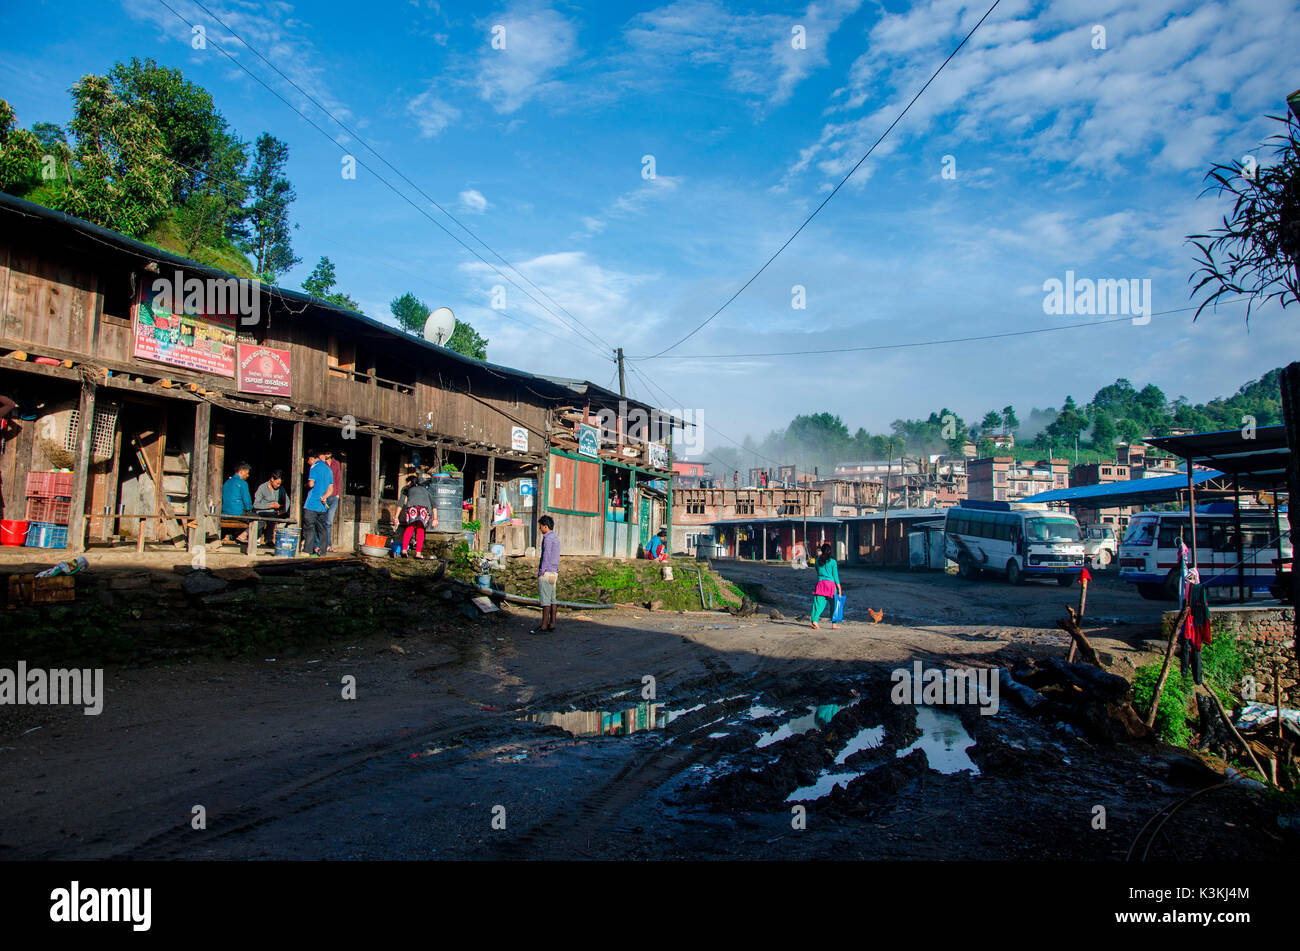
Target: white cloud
{"points": [[1032, 75], [757, 53], [472, 201], [538, 41], [432, 113]]}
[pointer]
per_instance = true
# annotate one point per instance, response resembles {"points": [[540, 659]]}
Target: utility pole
{"points": [[622, 386]]}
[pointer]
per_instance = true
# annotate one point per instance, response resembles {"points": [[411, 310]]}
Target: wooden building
{"points": [[151, 402]]}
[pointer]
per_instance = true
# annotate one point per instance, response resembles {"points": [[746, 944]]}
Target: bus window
{"points": [[1141, 531]]}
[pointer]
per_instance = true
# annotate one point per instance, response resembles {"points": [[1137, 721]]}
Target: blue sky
{"points": [[1067, 157]]}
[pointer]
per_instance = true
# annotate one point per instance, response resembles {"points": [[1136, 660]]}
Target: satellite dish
{"points": [[439, 326]]}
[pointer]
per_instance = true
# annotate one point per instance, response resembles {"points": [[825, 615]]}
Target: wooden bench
{"points": [[251, 523]]}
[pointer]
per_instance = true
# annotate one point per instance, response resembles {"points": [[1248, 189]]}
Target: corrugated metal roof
{"points": [[557, 385], [1132, 492]]}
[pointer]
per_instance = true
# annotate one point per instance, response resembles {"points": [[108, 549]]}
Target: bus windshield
{"points": [[1051, 530], [1141, 531]]}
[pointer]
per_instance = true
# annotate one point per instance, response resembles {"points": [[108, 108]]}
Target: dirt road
{"points": [[449, 749]]}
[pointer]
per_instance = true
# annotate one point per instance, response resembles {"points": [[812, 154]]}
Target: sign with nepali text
{"points": [[264, 370]]}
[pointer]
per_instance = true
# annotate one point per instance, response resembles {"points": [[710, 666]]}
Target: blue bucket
{"points": [[286, 542]]}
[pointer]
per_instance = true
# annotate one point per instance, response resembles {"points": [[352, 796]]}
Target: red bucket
{"points": [[13, 533]]}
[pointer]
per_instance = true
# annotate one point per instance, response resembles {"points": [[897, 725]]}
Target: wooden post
{"points": [[1164, 670], [296, 472], [1236, 531], [375, 474], [1290, 386], [1191, 515], [199, 475], [487, 500], [110, 527], [81, 468]]}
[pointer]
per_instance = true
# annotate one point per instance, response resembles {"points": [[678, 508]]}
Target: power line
{"points": [[399, 172], [930, 343], [836, 189], [534, 324], [385, 181]]}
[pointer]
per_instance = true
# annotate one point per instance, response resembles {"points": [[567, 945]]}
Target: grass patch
{"points": [[1222, 666]]}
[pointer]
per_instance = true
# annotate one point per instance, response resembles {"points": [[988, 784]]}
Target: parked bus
{"points": [[1148, 555], [1019, 543]]}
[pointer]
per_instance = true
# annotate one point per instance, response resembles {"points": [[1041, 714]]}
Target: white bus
{"points": [[1019, 543], [1148, 555]]}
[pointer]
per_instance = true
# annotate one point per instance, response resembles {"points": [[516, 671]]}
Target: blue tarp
{"points": [[1134, 491]]}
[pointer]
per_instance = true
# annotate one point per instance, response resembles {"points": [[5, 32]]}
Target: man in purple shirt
{"points": [[548, 573]]}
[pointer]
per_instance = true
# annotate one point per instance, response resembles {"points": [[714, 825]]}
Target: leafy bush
{"points": [[1172, 715]]}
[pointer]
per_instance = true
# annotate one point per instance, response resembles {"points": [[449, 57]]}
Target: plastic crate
{"points": [[46, 485], [55, 511], [46, 535]]}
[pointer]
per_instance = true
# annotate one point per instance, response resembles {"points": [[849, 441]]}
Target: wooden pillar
{"points": [[488, 491], [1191, 515], [110, 526], [81, 468], [1236, 531], [375, 475], [198, 507], [295, 468], [1290, 386]]}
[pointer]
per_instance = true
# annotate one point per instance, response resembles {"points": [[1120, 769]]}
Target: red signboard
{"points": [[263, 370]]}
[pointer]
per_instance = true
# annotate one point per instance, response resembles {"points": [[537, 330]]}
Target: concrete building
{"points": [[848, 498], [695, 510], [1003, 479]]}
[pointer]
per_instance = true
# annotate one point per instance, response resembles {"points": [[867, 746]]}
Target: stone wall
{"points": [[1266, 635]]}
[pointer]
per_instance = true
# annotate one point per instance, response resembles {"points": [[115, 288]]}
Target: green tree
{"points": [[123, 178], [466, 340], [320, 284], [1103, 432], [1257, 250], [1009, 422], [20, 154], [992, 420], [1128, 430], [410, 312], [51, 137], [262, 229]]}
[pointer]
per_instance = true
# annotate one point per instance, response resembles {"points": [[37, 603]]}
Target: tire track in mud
{"points": [[600, 814], [289, 798]]}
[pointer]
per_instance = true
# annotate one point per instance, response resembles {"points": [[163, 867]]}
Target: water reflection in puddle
{"points": [[817, 717], [825, 783], [944, 740], [869, 738], [634, 719]]}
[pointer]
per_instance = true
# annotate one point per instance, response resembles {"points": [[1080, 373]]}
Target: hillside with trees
{"points": [[1118, 412]]}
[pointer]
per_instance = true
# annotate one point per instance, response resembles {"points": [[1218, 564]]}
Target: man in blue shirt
{"points": [[235, 498], [320, 485]]}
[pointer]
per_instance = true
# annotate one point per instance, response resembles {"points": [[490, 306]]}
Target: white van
{"points": [[1019, 543]]}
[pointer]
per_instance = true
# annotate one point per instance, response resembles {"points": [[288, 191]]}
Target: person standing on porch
{"points": [[314, 511], [332, 500], [828, 586], [548, 575]]}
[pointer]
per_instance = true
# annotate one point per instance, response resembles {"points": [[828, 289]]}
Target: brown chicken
{"points": [[876, 615]]}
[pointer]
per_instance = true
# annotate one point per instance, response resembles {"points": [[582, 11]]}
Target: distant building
{"points": [[1003, 479], [694, 510], [1099, 473], [691, 475], [848, 498]]}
